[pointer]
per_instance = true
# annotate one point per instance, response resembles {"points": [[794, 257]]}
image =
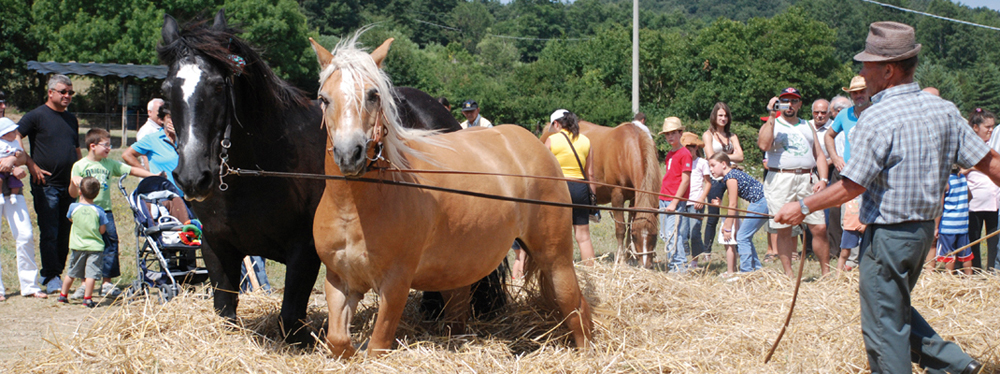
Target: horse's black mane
{"points": [[265, 88]]}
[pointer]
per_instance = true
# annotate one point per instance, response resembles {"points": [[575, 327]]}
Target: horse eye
{"points": [[218, 88], [324, 100], [372, 94]]}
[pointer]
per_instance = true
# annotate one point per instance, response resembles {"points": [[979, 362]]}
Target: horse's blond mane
{"points": [[349, 58]]}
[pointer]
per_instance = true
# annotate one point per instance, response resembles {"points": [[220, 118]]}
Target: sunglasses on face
{"points": [[66, 92], [793, 101]]}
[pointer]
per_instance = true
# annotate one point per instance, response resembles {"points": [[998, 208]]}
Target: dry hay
{"points": [[645, 321]]}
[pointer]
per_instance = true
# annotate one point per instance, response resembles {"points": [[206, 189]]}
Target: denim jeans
{"points": [[675, 243], [711, 223], [744, 237], [51, 205], [894, 332], [694, 223], [259, 271], [111, 267]]}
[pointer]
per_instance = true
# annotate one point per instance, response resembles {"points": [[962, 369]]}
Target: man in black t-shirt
{"points": [[53, 134]]}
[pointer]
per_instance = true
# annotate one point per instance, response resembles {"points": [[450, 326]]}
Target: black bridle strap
{"points": [[264, 173]]}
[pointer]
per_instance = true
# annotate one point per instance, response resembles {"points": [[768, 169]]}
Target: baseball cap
{"points": [[790, 91], [469, 105]]}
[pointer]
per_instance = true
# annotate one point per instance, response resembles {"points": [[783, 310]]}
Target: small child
{"points": [[953, 225], [700, 183], [739, 185], [97, 164], [850, 240], [9, 146], [85, 241]]}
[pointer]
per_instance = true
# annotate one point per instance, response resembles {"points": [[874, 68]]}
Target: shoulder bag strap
{"points": [[571, 147]]}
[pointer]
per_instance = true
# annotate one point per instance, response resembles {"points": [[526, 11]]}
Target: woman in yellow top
{"points": [[568, 132]]}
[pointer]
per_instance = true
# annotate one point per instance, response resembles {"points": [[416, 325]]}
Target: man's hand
{"points": [[790, 214], [838, 162], [819, 186], [7, 164], [38, 174]]}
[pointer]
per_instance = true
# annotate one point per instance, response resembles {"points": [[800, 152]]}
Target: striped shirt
{"points": [[955, 218], [902, 150]]}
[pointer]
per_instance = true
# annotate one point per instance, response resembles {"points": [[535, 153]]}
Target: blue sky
{"points": [[992, 4]]}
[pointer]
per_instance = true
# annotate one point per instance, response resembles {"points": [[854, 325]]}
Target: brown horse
{"points": [[394, 238], [626, 156]]}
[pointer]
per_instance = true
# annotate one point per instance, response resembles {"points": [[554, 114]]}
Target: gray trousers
{"points": [[895, 334]]}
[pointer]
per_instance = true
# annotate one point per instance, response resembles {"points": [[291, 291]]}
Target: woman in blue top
{"points": [[742, 185], [159, 147]]}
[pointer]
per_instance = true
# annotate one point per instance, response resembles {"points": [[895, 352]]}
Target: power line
{"points": [[498, 35], [932, 15]]}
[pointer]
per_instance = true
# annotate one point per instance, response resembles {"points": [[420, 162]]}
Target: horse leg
{"points": [[575, 309], [223, 264], [341, 303], [618, 201], [392, 299], [456, 308], [298, 288]]}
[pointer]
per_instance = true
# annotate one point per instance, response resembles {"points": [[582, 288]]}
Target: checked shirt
{"points": [[903, 148]]}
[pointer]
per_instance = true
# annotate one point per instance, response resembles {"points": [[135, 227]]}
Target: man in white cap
{"points": [[793, 151], [904, 147]]}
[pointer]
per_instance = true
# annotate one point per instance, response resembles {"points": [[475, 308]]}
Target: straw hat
{"points": [[689, 138], [857, 84], [671, 124], [889, 41]]}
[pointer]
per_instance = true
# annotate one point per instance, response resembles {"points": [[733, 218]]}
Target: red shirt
{"points": [[678, 162]]}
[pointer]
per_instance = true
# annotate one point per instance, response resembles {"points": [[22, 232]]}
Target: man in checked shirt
{"points": [[902, 150]]}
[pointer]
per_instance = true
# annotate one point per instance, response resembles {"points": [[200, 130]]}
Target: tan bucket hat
{"points": [[689, 138], [671, 124], [889, 41], [857, 84]]}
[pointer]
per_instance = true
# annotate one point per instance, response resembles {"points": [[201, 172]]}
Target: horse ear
{"points": [[169, 31], [219, 23], [379, 53], [322, 54]]}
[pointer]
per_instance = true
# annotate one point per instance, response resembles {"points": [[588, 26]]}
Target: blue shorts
{"points": [[950, 242], [850, 239]]}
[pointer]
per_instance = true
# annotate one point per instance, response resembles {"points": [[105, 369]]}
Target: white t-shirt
{"points": [[792, 147], [9, 148], [642, 127], [147, 128], [699, 169], [820, 133]]}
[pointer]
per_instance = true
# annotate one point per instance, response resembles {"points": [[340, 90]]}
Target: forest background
{"points": [[522, 59]]}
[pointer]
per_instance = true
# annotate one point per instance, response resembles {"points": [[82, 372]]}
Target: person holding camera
{"points": [[793, 150]]}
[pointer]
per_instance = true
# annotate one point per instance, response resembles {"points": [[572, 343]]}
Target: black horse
{"points": [[229, 108]]}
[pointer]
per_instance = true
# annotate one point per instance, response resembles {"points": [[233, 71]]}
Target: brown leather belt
{"points": [[795, 171]]}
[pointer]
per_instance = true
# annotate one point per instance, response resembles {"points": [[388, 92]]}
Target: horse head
{"points": [[197, 87]]}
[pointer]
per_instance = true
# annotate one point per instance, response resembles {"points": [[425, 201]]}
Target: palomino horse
{"points": [[626, 156], [394, 238], [273, 127]]}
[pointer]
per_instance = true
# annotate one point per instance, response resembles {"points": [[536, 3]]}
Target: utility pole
{"points": [[635, 56]]}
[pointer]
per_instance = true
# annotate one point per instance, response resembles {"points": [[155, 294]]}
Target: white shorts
{"points": [[782, 188]]}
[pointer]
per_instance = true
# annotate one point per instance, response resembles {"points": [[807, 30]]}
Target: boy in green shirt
{"points": [[97, 164], [85, 241]]}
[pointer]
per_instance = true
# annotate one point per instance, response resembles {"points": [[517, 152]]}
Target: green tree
{"points": [[23, 87]]}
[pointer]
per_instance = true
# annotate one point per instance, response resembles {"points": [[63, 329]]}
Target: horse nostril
{"points": [[358, 152], [204, 181]]}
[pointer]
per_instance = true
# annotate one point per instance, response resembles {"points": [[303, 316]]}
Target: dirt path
{"points": [[27, 322]]}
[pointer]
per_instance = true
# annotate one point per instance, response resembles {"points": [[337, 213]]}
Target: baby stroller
{"points": [[168, 238]]}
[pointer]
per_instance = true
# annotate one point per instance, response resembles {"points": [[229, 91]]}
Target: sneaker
{"points": [[53, 285], [62, 299], [89, 303], [110, 290], [78, 294]]}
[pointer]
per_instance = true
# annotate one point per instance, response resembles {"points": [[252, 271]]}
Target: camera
{"points": [[779, 106]]}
